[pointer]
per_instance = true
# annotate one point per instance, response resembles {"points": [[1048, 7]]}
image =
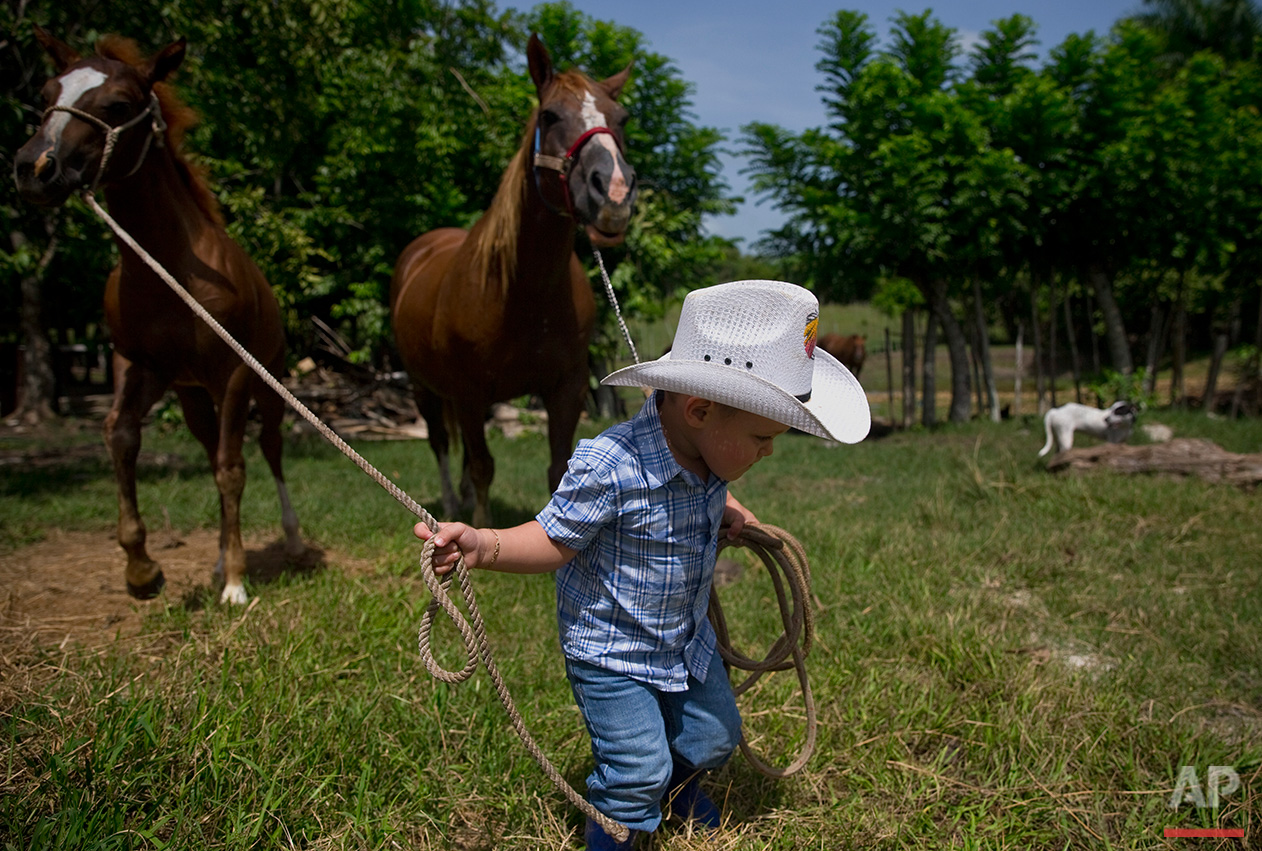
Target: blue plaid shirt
{"points": [[646, 530]]}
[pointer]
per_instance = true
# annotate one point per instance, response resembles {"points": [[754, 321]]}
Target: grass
{"points": [[1004, 658]]}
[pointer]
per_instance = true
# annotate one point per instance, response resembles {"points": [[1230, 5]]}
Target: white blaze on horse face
{"points": [[591, 115], [593, 118], [74, 85]]}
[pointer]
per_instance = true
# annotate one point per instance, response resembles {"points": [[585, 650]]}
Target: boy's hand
{"points": [[735, 516], [452, 541]]}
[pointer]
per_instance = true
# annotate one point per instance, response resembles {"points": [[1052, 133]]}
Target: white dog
{"points": [[1112, 423]]}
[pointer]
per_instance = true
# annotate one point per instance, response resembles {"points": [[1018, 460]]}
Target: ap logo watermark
{"points": [[1220, 780]]}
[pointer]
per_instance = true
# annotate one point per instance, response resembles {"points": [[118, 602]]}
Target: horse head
{"points": [[578, 161], [102, 117]]}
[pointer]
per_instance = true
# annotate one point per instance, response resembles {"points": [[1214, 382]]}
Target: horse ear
{"points": [[166, 61], [540, 63], [613, 85], [63, 54]]}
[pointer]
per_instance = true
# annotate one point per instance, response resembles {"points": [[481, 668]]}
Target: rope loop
{"points": [[790, 572]]}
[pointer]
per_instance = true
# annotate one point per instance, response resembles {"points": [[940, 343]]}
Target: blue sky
{"points": [[755, 61]]}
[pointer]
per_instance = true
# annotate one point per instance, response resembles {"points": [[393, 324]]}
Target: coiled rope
{"points": [[790, 573]]}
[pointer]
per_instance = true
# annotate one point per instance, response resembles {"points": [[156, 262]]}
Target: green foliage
{"points": [[1111, 386], [335, 132]]}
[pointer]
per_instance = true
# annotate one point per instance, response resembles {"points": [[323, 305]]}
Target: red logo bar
{"points": [[1210, 832]]}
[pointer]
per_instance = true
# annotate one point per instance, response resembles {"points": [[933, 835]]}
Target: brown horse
{"points": [[505, 309], [849, 350], [166, 206]]}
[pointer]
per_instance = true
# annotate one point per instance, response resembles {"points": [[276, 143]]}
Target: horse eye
{"points": [[547, 118], [119, 110]]}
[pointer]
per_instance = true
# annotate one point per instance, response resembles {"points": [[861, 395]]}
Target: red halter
{"points": [[562, 165]]}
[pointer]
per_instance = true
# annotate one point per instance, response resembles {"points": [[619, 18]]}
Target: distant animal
{"points": [[165, 204], [1113, 424], [849, 350], [505, 309]]}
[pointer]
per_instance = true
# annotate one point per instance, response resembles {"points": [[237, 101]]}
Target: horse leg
{"points": [[272, 411], [479, 466], [564, 406], [431, 410], [135, 391], [203, 421], [230, 477]]}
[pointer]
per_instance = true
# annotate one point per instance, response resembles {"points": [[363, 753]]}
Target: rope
{"points": [[474, 636], [613, 299], [786, 562]]}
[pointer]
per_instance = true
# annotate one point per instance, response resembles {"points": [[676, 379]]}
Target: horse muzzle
{"points": [[605, 195], [41, 177]]}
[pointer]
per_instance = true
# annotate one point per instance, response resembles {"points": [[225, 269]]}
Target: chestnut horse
{"points": [[505, 309], [166, 206], [849, 350]]}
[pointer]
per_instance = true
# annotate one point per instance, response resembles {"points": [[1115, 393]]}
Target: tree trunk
{"points": [[604, 401], [36, 403], [983, 343], [1039, 404], [1223, 332], [1018, 371], [1072, 334], [1091, 335], [909, 367], [957, 349], [1052, 367], [929, 408], [1215, 364], [1114, 330], [889, 375], [1178, 345], [974, 358], [1156, 345]]}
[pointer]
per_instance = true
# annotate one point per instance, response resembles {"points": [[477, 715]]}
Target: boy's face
{"points": [[731, 441]]}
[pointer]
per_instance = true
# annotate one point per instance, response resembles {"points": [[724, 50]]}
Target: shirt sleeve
{"points": [[581, 506]]}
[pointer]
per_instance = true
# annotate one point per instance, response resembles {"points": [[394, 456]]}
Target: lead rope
{"points": [[786, 562], [474, 636]]}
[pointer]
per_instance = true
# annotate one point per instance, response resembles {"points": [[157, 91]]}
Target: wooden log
{"points": [[1185, 456]]}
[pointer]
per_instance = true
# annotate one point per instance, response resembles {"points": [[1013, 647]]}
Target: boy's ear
{"points": [[698, 410]]}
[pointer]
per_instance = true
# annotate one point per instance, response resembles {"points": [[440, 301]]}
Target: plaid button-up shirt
{"points": [[646, 530]]}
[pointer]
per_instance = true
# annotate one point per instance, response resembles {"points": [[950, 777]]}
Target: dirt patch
{"points": [[70, 588]]}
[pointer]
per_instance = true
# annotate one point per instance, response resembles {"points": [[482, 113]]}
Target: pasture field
{"points": [[1004, 659]]}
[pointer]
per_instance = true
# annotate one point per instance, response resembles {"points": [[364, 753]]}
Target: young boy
{"points": [[632, 531]]}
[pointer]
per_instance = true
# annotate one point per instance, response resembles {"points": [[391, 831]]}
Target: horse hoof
{"points": [[150, 589], [234, 594]]}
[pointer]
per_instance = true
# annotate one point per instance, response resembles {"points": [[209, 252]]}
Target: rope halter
{"points": [[154, 110], [562, 165]]}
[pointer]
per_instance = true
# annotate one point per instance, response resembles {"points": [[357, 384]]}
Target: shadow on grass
{"points": [[263, 567]]}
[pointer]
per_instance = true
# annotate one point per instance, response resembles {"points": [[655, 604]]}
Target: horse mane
{"points": [[178, 116], [494, 245]]}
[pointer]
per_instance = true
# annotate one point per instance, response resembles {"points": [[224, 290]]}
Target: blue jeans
{"points": [[638, 732]]}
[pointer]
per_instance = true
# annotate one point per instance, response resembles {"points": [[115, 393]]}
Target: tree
{"points": [[1229, 28]]}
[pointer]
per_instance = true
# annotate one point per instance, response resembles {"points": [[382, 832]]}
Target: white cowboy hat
{"points": [[751, 345]]}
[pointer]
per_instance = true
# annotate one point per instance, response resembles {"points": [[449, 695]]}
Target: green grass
{"points": [[1004, 658]]}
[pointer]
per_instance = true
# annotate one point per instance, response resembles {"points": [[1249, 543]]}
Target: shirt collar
{"points": [[659, 463]]}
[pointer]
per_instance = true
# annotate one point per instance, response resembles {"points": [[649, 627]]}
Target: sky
{"points": [[753, 60]]}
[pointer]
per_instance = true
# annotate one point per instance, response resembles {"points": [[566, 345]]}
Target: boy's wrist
{"points": [[493, 548]]}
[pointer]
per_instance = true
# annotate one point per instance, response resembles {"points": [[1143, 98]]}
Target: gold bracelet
{"points": [[496, 555]]}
